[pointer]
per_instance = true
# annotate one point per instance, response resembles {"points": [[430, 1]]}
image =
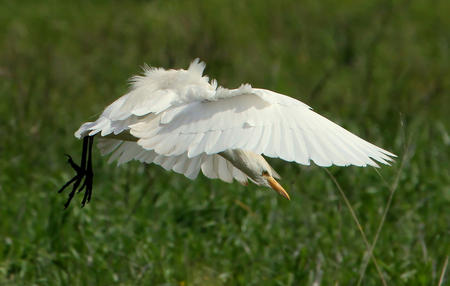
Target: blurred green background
{"points": [[379, 68]]}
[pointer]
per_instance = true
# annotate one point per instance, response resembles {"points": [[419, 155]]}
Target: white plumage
{"points": [[184, 122]]}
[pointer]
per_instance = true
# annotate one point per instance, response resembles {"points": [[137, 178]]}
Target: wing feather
{"points": [[208, 167], [264, 140], [223, 170], [213, 140], [255, 134]]}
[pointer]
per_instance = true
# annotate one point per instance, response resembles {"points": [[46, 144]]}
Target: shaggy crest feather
{"points": [[197, 67]]}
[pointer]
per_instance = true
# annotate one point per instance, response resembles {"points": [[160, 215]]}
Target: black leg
{"points": [[84, 171], [88, 181]]}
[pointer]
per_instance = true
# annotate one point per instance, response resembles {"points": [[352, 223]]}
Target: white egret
{"points": [[184, 122]]}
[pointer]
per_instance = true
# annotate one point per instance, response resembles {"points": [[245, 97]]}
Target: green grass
{"points": [[379, 68]]}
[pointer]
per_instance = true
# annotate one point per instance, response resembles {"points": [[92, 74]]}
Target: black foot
{"points": [[84, 171]]}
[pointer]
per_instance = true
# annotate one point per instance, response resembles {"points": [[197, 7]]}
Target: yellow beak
{"points": [[276, 186]]}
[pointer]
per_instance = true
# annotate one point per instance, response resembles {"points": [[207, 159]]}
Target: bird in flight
{"points": [[184, 122]]}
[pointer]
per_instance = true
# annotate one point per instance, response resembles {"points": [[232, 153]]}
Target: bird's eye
{"points": [[265, 173]]}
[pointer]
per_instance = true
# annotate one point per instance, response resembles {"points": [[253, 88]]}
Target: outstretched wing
{"points": [[257, 120], [175, 112]]}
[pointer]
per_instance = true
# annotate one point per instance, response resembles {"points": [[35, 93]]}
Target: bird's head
{"points": [[272, 183], [256, 168]]}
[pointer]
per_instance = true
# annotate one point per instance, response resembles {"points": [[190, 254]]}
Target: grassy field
{"points": [[379, 68]]}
